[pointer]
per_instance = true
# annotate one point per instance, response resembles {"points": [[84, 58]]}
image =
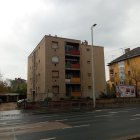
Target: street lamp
{"points": [[93, 71]]}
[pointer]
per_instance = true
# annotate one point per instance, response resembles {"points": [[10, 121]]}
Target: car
{"points": [[21, 103], [1, 101]]}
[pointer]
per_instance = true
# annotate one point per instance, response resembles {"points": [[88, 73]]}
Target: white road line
{"points": [[130, 109], [113, 112], [84, 125], [61, 120], [136, 115], [67, 127], [14, 134], [42, 122], [123, 111], [103, 115], [135, 119], [49, 116], [3, 123], [49, 138]]}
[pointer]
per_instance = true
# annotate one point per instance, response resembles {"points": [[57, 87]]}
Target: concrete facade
{"points": [[61, 67]]}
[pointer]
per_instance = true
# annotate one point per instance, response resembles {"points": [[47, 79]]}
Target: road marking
{"points": [[14, 133], [98, 110], [3, 123], [123, 111], [76, 126], [49, 138], [49, 116], [67, 127], [130, 109], [103, 115], [136, 115], [135, 119], [113, 112], [43, 122], [61, 120], [84, 125]]}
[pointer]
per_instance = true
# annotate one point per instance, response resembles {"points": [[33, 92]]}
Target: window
{"points": [[89, 87], [55, 59], [129, 73], [88, 49], [38, 89], [55, 90], [54, 44], [128, 62], [111, 71], [88, 62], [89, 74], [122, 82], [55, 74]]}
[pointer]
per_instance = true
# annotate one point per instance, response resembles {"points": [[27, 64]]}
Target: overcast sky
{"points": [[23, 23]]}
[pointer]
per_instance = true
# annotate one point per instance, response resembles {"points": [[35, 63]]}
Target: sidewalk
{"points": [[8, 106]]}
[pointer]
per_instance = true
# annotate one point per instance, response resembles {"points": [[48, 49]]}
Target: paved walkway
{"points": [[8, 106]]}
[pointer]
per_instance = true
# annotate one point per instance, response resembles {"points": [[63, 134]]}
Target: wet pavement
{"points": [[8, 106]]}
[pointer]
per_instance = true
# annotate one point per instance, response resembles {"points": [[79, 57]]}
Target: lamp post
{"points": [[93, 71]]}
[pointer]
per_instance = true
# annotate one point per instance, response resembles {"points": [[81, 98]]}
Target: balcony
{"points": [[73, 52], [76, 93], [73, 80], [73, 66]]}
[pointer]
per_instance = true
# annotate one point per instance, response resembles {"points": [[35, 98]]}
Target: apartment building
{"points": [[125, 70], [61, 67]]}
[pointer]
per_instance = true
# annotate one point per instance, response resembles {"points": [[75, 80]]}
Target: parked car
{"points": [[1, 101], [21, 103]]}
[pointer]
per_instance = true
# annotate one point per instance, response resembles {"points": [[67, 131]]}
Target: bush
{"points": [[48, 99], [61, 98], [71, 97], [88, 98], [107, 96]]}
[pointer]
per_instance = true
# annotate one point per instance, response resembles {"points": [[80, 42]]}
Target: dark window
{"points": [[55, 74], [55, 90], [129, 73], [89, 74], [54, 44], [128, 62], [88, 49]]}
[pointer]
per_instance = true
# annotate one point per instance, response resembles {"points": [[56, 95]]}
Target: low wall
{"points": [[71, 105]]}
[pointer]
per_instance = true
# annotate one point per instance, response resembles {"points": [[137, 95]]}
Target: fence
{"points": [[73, 105]]}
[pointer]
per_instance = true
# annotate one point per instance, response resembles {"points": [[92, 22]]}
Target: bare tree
{"points": [[3, 85], [133, 75]]}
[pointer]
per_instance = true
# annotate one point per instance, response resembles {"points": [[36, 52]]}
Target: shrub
{"points": [[61, 98], [107, 96], [48, 99], [88, 98]]}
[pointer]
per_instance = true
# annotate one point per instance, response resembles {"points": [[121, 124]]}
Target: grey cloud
{"points": [[73, 19]]}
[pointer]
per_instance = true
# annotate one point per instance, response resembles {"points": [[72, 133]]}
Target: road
{"points": [[105, 124]]}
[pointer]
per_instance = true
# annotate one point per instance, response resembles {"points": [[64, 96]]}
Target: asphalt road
{"points": [[105, 124]]}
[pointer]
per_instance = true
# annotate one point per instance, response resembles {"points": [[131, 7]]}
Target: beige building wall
{"points": [[99, 65], [86, 70], [41, 79]]}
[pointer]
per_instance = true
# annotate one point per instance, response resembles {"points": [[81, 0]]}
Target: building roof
{"points": [[130, 54]]}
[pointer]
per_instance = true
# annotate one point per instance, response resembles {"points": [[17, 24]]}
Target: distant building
{"points": [[125, 68], [62, 67]]}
